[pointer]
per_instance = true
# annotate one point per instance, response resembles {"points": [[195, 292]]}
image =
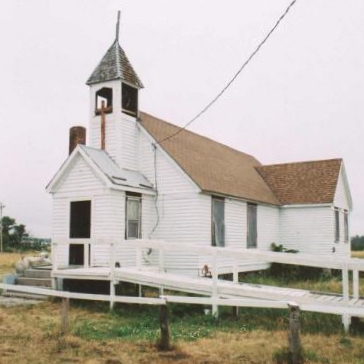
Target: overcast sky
{"points": [[301, 98]]}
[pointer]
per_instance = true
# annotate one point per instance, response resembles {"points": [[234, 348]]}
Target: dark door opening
{"points": [[80, 228]]}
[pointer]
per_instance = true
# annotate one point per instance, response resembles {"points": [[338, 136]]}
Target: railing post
{"points": [[112, 294], [215, 308], [356, 284], [345, 282], [112, 260], [86, 254], [55, 257], [235, 271]]}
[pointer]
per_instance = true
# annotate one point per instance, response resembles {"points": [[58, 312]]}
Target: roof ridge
{"points": [[301, 162]]}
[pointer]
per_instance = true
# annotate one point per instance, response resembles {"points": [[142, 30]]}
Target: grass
{"points": [[30, 335], [7, 262]]}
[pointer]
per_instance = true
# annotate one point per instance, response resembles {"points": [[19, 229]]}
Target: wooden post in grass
{"points": [[164, 343], [64, 315], [294, 341]]}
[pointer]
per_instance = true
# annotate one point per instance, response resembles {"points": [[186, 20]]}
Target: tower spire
{"points": [[117, 26]]}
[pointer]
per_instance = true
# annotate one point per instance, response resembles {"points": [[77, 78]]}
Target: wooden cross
{"points": [[102, 112]]}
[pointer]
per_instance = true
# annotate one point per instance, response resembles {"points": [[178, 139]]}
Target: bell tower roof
{"points": [[115, 66]]}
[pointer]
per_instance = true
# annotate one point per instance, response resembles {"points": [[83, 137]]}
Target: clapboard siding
{"points": [[149, 216], [235, 223], [59, 218], [60, 228], [127, 153], [146, 156], [79, 179], [268, 226], [341, 198], [171, 179], [308, 230], [185, 220]]}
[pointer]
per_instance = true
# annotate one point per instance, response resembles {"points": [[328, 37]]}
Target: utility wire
{"points": [[234, 77]]}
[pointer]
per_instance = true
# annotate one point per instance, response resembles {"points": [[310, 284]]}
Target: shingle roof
{"points": [[214, 167], [115, 66], [303, 182]]}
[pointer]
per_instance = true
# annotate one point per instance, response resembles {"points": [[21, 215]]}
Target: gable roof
{"points": [[214, 167], [106, 168], [312, 182], [115, 66]]}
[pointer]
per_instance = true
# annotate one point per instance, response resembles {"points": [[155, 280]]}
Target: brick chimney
{"points": [[77, 136]]}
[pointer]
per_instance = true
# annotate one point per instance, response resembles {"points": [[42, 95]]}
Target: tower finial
{"points": [[118, 26]]}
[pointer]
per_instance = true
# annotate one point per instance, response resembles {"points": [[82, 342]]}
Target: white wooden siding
{"points": [[311, 230], [80, 179], [149, 216], [341, 199], [235, 223], [268, 226], [60, 228], [127, 156]]}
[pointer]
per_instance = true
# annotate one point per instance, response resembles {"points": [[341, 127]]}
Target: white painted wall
{"points": [[341, 198], [235, 223], [311, 230], [268, 226]]}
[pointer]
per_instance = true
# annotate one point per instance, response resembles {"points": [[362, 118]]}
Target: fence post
{"points": [[356, 283], [64, 315], [294, 341], [164, 343], [345, 281]]}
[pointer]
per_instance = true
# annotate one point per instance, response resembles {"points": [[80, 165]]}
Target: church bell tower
{"points": [[114, 88]]}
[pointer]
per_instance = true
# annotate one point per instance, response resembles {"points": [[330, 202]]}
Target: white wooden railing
{"points": [[238, 256]]}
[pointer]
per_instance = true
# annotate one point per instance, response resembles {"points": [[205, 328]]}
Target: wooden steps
{"points": [[33, 277]]}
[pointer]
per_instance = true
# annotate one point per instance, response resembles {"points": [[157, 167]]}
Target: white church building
{"points": [[144, 178]]}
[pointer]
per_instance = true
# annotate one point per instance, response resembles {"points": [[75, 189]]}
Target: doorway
{"points": [[80, 228]]}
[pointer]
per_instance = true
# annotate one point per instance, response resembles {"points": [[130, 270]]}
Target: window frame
{"points": [[251, 240], [214, 227], [138, 198], [346, 226], [337, 224]]}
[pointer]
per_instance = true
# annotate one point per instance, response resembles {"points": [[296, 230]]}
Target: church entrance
{"points": [[80, 228]]}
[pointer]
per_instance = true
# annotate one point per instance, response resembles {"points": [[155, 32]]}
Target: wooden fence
{"points": [[162, 301]]}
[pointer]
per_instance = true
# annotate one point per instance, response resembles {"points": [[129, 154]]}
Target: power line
{"points": [[234, 77]]}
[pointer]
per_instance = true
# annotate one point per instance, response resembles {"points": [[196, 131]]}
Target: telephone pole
{"points": [[1, 226]]}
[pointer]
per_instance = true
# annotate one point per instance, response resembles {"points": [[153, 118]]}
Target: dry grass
{"points": [[357, 254], [30, 335], [7, 262]]}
